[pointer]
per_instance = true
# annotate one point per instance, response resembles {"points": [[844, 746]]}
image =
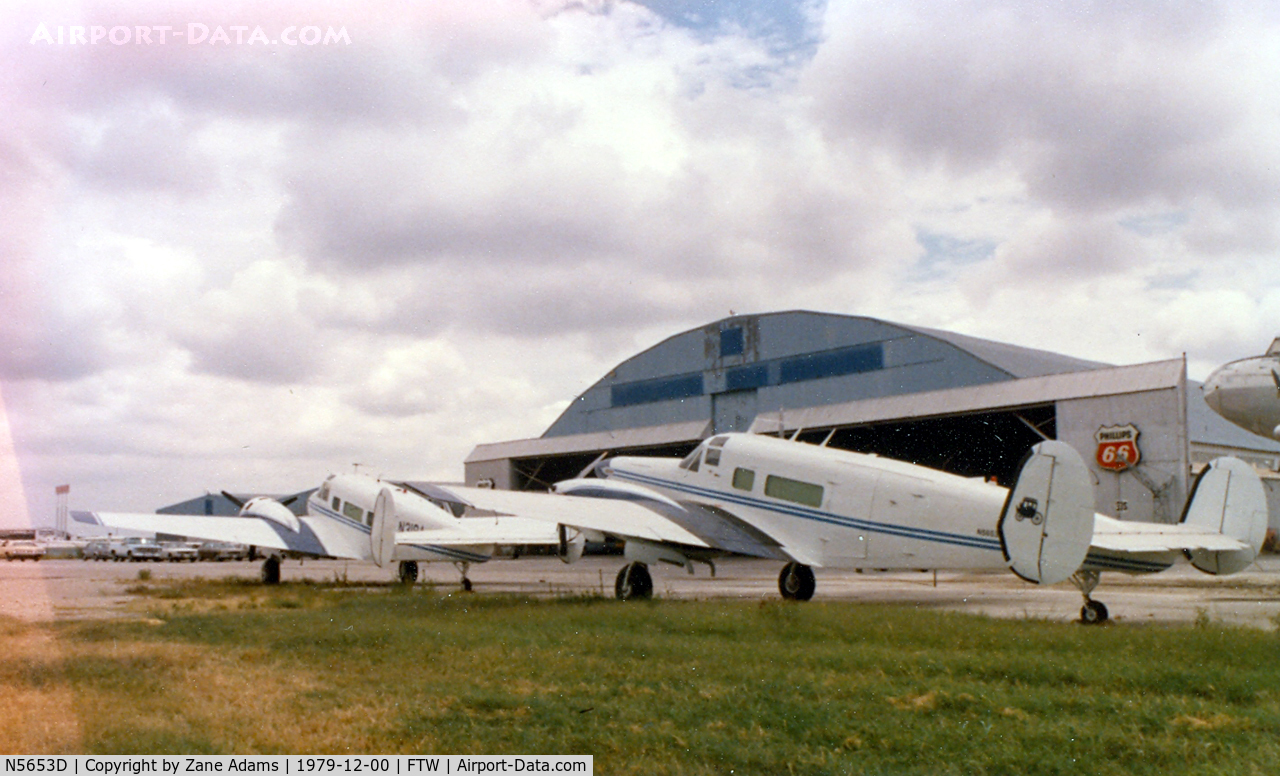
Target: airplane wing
{"points": [[624, 512], [240, 530], [629, 519], [1121, 536]]}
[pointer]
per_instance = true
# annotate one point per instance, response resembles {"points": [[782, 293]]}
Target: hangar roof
{"points": [[796, 358]]}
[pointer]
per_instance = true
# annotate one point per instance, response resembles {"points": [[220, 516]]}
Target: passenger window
{"points": [[352, 511], [805, 493], [744, 479]]}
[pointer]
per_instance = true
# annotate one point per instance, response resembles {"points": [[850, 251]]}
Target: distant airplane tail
{"points": [[382, 536], [1228, 497], [1047, 523]]}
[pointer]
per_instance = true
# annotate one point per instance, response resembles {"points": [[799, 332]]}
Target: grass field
{"points": [[680, 687]]}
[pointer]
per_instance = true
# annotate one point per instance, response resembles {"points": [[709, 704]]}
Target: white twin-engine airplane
{"points": [[816, 507], [338, 524], [1247, 392]]}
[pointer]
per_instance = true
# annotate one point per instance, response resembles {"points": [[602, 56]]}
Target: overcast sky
{"points": [[239, 263]]}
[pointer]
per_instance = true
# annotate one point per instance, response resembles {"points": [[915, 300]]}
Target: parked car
{"points": [[137, 548], [23, 549], [223, 551], [176, 552], [97, 549]]}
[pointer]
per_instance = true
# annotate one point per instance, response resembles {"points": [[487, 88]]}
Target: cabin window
{"points": [[690, 461], [793, 490], [744, 479], [337, 503], [352, 511]]}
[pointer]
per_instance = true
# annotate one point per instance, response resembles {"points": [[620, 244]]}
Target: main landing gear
{"points": [[1093, 612], [408, 572], [796, 582], [633, 582], [270, 573]]}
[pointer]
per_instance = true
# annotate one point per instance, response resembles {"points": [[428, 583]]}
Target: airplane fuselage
{"points": [[340, 512], [836, 508], [1247, 393]]}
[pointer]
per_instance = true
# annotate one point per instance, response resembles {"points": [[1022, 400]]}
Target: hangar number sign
{"points": [[1117, 447]]}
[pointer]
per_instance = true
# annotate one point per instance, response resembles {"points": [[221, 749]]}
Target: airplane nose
{"points": [[1211, 395]]}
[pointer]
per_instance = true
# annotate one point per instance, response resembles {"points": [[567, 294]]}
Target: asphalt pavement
{"points": [[77, 589]]}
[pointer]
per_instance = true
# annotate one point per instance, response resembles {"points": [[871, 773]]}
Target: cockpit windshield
{"points": [[691, 460]]}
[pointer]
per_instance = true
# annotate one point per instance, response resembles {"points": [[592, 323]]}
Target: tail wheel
{"points": [[633, 582], [271, 571], [408, 572], [796, 582]]}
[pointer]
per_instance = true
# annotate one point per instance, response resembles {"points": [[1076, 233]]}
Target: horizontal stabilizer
{"points": [[1138, 537], [1047, 523]]}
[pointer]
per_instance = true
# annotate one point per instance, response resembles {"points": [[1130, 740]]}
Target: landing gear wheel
{"points": [[466, 584], [796, 582], [271, 571], [1093, 613], [408, 572], [633, 582]]}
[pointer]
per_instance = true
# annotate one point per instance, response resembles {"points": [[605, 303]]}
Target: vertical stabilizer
{"points": [[1047, 523], [1228, 498]]}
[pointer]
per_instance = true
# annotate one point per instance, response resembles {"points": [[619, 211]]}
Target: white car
{"points": [[176, 552], [23, 549]]}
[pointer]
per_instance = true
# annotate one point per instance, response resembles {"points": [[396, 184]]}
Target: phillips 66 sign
{"points": [[1117, 447]]}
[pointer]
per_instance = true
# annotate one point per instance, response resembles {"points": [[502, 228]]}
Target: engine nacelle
{"points": [[270, 509], [572, 543]]}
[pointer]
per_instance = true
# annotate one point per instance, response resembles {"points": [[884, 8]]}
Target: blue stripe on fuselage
{"points": [[920, 534]]}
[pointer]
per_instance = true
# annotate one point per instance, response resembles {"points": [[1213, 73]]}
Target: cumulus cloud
{"points": [[229, 262]]}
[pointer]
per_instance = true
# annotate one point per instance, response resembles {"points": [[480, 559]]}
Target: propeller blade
{"points": [[239, 502]]}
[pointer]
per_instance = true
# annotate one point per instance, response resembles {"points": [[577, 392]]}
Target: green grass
{"points": [[680, 687]]}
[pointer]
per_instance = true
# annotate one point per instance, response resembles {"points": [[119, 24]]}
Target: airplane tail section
{"points": [[382, 537], [1228, 497], [1047, 523]]}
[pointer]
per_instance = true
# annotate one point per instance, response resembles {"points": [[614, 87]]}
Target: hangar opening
{"points": [[949, 401], [986, 444]]}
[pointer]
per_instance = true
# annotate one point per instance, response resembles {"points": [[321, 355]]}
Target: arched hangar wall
{"points": [[733, 369], [957, 403]]}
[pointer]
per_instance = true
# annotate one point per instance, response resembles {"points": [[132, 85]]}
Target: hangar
{"points": [[966, 405]]}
